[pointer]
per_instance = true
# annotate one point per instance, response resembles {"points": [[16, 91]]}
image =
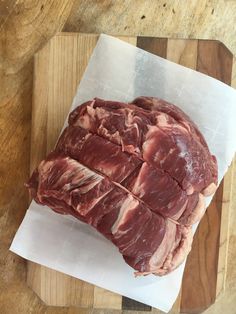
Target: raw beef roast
{"points": [[137, 172]]}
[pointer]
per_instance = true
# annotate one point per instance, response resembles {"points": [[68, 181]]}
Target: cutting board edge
{"points": [[92, 35]]}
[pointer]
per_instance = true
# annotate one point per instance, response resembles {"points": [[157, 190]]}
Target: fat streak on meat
{"points": [[136, 172]]}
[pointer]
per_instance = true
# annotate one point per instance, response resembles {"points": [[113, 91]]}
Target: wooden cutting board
{"points": [[58, 69]]}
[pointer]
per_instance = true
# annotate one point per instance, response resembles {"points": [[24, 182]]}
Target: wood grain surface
{"points": [[58, 69], [25, 26], [206, 19]]}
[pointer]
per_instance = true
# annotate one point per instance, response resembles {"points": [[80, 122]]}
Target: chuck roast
{"points": [[137, 172]]}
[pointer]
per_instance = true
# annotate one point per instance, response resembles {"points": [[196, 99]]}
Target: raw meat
{"points": [[154, 136], [97, 153], [136, 172]]}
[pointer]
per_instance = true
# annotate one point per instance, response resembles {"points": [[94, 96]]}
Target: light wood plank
{"points": [[62, 290], [183, 52], [224, 231], [68, 58], [129, 39], [104, 299], [34, 277]]}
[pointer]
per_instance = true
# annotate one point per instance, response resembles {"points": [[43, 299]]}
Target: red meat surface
{"points": [[137, 172]]}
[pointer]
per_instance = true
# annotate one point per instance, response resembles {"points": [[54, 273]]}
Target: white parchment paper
{"points": [[119, 71]]}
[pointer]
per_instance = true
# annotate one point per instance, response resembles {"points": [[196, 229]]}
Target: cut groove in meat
{"points": [[148, 186], [117, 221], [118, 166], [109, 158]]}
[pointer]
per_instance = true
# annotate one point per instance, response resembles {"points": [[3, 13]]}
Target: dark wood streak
{"points": [[215, 59], [129, 304], [157, 46]]}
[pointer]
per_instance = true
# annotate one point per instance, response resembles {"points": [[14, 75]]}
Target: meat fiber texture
{"points": [[137, 172]]}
